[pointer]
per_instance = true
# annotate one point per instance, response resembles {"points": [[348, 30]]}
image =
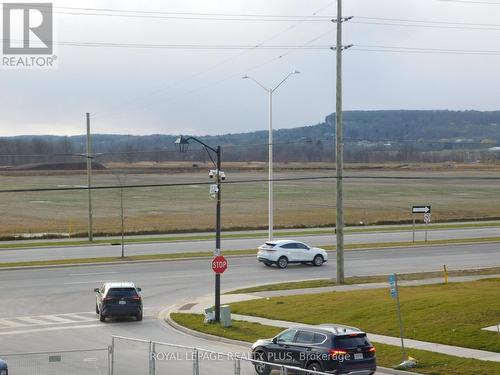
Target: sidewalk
{"points": [[198, 307]]}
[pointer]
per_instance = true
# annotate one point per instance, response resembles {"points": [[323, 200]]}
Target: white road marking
{"points": [[78, 316], [21, 332], [44, 320], [84, 282], [62, 321], [93, 274], [59, 319], [31, 320], [10, 324]]}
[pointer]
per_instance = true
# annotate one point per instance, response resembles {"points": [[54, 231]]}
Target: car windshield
{"points": [[351, 342], [122, 292]]}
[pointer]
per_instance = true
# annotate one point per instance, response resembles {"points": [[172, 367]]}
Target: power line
{"points": [[428, 21], [250, 181], [443, 51], [231, 76], [204, 18], [426, 26], [132, 12], [471, 2], [188, 46], [214, 66]]}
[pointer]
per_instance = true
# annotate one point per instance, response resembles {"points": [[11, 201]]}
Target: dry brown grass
{"points": [[297, 203]]}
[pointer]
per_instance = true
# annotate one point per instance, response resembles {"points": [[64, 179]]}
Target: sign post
{"points": [[427, 220], [426, 210], [393, 283]]}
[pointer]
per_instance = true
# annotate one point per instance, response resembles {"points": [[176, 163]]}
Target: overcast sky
{"points": [[169, 91]]}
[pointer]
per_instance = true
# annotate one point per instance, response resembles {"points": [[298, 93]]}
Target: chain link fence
{"points": [[75, 362]]}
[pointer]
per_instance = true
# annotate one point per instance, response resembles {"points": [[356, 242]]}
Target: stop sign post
{"points": [[219, 264]]}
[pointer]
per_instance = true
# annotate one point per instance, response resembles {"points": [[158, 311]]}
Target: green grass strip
{"points": [[321, 283], [387, 355], [452, 314]]}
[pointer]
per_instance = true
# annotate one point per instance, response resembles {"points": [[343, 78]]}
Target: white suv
{"points": [[288, 251]]}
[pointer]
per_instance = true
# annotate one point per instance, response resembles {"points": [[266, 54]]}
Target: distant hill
{"points": [[400, 135]]}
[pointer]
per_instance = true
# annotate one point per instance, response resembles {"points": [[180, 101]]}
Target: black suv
{"points": [[118, 300], [3, 368], [324, 348]]}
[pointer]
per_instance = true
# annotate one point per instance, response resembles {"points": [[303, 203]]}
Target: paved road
{"points": [[53, 309], [20, 255]]}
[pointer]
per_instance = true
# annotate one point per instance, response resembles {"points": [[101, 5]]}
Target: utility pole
{"points": [[339, 146], [89, 177], [339, 226]]}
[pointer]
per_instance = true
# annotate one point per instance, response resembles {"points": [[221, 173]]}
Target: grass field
{"points": [[387, 355], [321, 283], [297, 203], [451, 314]]}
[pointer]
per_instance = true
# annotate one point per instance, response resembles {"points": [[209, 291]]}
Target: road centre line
{"points": [[94, 273]]}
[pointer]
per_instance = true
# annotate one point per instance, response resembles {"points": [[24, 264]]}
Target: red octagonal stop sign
{"points": [[219, 264]]}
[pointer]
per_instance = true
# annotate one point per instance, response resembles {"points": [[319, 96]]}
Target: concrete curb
{"points": [[168, 319]]}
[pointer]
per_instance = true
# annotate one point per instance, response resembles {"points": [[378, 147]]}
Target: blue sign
{"points": [[392, 284]]}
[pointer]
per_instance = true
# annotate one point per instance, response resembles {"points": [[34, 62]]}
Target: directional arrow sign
{"points": [[420, 209]]}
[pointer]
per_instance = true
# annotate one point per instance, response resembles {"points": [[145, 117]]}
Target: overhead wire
{"points": [[251, 181], [220, 63]]}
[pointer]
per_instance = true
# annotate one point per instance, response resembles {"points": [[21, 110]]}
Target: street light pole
{"points": [[270, 92], [183, 143], [218, 234], [89, 177], [270, 169]]}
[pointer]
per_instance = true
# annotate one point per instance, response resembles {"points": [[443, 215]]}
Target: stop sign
{"points": [[219, 264]]}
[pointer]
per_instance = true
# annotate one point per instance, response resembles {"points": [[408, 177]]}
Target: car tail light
{"points": [[107, 299], [337, 352], [372, 349], [136, 298]]}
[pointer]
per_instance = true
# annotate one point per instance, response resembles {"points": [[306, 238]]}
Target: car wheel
{"points": [[282, 262], [139, 316], [318, 260], [102, 318], [261, 368], [268, 264]]}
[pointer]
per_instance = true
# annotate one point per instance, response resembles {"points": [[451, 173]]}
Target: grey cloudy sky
{"points": [[170, 91]]}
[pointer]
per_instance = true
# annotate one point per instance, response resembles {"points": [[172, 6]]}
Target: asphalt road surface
{"points": [[50, 253], [53, 310]]}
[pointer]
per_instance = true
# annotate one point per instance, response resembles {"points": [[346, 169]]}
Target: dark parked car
{"points": [[324, 348], [3, 368], [118, 300]]}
